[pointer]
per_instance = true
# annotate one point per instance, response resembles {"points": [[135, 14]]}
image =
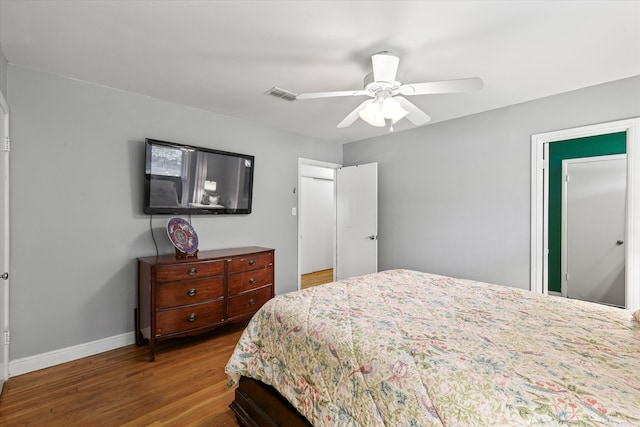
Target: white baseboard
{"points": [[63, 355]]}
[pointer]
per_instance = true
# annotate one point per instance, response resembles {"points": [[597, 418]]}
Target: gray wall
{"points": [[454, 197], [76, 202], [3, 66], [3, 72]]}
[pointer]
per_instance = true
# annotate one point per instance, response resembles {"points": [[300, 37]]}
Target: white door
{"points": [[4, 241], [318, 219], [357, 220], [594, 217]]}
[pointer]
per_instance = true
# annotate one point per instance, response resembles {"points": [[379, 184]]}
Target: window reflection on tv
{"points": [[182, 179]]}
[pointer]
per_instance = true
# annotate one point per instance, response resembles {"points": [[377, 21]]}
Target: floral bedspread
{"points": [[404, 348]]}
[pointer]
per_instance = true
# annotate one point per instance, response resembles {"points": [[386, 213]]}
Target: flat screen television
{"points": [[186, 180]]}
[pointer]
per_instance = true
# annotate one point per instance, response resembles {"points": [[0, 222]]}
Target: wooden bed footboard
{"points": [[259, 405]]}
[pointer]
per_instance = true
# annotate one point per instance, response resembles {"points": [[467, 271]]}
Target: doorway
{"points": [[316, 187], [317, 225], [559, 151], [540, 201], [353, 233]]}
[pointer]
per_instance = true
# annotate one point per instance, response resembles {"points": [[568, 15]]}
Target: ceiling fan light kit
{"points": [[387, 105], [383, 108]]}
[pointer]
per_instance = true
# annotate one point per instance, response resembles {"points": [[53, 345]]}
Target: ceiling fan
{"points": [[387, 103]]}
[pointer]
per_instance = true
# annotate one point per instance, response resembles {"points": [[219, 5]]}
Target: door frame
{"points": [[539, 200], [565, 194], [310, 162], [5, 243]]}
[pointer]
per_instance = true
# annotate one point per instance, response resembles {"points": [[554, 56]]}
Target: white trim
{"points": [[564, 233], [5, 247], [63, 355], [539, 196], [310, 162], [545, 220]]}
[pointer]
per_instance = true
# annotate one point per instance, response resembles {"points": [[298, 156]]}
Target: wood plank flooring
{"points": [[185, 386], [316, 278]]}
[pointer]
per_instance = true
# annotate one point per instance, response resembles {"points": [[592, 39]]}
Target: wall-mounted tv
{"points": [[186, 180]]}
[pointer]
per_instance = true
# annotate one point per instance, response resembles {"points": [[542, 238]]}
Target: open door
{"points": [[357, 220], [4, 241], [355, 248], [593, 224]]}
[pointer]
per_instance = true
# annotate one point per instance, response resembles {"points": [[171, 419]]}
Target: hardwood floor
{"points": [[186, 385], [316, 278]]}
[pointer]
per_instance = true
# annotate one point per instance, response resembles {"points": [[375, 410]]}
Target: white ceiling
{"points": [[222, 56]]}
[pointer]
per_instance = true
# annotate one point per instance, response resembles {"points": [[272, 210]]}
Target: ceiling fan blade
{"points": [[445, 86], [353, 116], [331, 94], [415, 115], [385, 67]]}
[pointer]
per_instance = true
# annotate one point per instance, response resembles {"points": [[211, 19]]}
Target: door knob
{"points": [[372, 237], [4, 276], [619, 242]]}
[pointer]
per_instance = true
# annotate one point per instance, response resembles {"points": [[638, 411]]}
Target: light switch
{"points": [[293, 211]]}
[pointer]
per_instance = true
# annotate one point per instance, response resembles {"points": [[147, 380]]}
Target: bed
{"points": [[406, 348]]}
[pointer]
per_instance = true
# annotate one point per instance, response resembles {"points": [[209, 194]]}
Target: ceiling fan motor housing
{"points": [[383, 77], [373, 87]]}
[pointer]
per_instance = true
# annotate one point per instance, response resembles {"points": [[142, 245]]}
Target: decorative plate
{"points": [[182, 235]]}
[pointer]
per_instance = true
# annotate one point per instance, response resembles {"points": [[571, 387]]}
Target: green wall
{"points": [[599, 145]]}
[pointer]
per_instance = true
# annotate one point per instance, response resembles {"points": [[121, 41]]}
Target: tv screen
{"points": [[182, 179]]}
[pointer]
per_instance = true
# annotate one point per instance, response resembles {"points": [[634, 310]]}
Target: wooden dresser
{"points": [[188, 296]]}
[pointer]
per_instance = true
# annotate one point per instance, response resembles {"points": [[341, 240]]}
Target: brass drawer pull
{"points": [[252, 301], [252, 280], [192, 271], [252, 262], [191, 317], [192, 292]]}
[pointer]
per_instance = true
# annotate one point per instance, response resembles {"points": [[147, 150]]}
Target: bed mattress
{"points": [[406, 348]]}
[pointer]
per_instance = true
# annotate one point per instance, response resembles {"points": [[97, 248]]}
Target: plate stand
{"points": [[180, 254]]}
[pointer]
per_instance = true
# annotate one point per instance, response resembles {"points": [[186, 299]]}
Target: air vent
{"points": [[281, 93]]}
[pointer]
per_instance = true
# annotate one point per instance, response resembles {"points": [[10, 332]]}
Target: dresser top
{"points": [[204, 255]]}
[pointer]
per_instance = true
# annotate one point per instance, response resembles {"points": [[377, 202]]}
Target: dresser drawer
{"points": [[242, 282], [190, 317], [250, 262], [248, 302], [173, 294], [195, 270]]}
